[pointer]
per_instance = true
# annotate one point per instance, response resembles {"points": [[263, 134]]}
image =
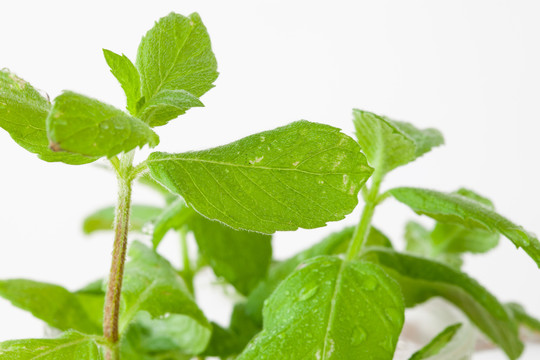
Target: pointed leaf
{"points": [[314, 305], [23, 111], [241, 257], [127, 75], [421, 279], [424, 140], [167, 105], [152, 285], [53, 304], [82, 125], [389, 144], [300, 175], [176, 54], [103, 219], [464, 210], [437, 343], [71, 345], [335, 243]]}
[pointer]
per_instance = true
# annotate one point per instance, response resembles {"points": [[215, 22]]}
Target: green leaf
{"points": [[173, 216], [421, 279], [389, 144], [522, 317], [170, 334], [335, 243], [462, 209], [23, 111], [309, 314], [167, 105], [71, 345], [456, 239], [92, 299], [63, 310], [419, 242], [85, 126], [127, 75], [437, 344], [175, 54], [152, 285], [424, 140], [229, 342], [300, 175], [103, 219], [241, 257]]}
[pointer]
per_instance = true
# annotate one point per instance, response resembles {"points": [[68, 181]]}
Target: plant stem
{"points": [[362, 229], [187, 271], [121, 225]]}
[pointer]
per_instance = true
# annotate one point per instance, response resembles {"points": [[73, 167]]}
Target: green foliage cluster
{"points": [[343, 298]]}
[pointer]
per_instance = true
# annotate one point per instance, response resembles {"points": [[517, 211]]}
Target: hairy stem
{"points": [[362, 229], [121, 225]]}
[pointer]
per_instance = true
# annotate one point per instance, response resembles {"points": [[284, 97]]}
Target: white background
{"points": [[468, 68]]}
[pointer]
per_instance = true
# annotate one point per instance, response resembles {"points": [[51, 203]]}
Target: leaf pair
{"points": [[175, 66]]}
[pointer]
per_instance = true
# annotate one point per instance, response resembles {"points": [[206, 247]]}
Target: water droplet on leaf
{"points": [[308, 292], [358, 337]]}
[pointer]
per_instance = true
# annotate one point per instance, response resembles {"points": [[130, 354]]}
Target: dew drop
{"points": [[369, 283], [358, 336], [393, 315], [320, 182], [308, 292], [104, 126], [387, 344]]}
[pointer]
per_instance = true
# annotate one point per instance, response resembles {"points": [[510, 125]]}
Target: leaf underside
{"points": [[464, 210]]}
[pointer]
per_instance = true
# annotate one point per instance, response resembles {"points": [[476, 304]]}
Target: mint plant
{"points": [[343, 298]]}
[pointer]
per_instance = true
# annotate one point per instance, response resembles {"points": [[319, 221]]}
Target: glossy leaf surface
{"points": [[309, 314]]}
